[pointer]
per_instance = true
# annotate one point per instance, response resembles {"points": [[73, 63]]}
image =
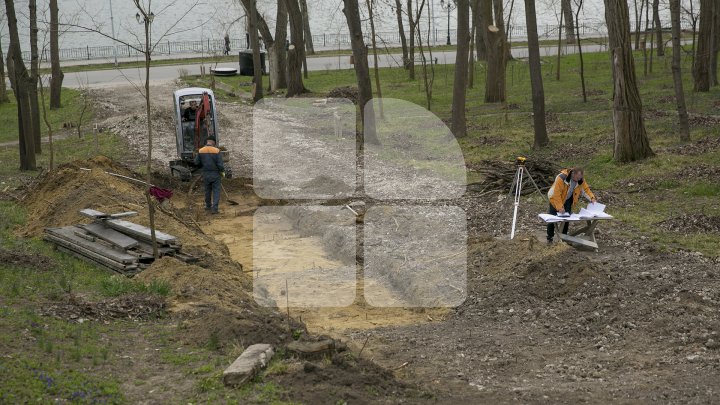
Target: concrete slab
{"points": [[253, 359]]}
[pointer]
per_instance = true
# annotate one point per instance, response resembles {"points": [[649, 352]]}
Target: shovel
{"points": [[227, 196]]}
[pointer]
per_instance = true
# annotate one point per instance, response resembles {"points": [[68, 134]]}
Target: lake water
{"points": [[211, 19]]}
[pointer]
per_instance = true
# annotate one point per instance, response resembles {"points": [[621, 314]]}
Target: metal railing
{"points": [[320, 41]]}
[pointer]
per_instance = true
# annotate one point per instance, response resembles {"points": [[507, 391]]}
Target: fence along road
{"points": [[117, 77]]}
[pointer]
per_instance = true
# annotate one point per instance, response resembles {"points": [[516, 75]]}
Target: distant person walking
{"points": [[227, 44], [210, 160]]}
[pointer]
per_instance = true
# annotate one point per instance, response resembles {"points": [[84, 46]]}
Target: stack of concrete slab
{"points": [[114, 243]]}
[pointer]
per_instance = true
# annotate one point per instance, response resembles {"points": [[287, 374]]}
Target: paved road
{"points": [[111, 77]]}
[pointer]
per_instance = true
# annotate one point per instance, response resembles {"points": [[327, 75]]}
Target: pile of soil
{"points": [[692, 223], [211, 297], [348, 92], [214, 302], [128, 306]]}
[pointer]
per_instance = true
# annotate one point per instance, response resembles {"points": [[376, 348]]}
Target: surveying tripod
{"points": [[517, 186]]}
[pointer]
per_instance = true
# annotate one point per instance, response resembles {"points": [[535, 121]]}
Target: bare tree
{"points": [[257, 90], [677, 72], [567, 12], [428, 74], [401, 31], [477, 10], [362, 71], [538, 93], [34, 73], [694, 17], [638, 21], [20, 82], [370, 5], [496, 46], [659, 48], [412, 23], [703, 54], [3, 87], [309, 47], [296, 50], [278, 59], [631, 141], [578, 9], [57, 73], [458, 123], [48, 126]]}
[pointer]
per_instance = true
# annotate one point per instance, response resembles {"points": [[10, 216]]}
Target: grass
{"points": [[581, 132], [72, 105]]}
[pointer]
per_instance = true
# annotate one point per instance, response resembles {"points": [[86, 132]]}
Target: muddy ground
{"points": [[539, 324]]}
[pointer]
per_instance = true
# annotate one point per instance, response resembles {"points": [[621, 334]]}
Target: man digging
{"points": [[211, 162]]}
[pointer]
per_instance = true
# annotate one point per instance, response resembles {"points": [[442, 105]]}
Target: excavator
{"points": [[195, 121]]}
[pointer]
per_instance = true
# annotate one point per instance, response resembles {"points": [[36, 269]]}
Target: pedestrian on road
{"points": [[227, 44], [210, 160]]}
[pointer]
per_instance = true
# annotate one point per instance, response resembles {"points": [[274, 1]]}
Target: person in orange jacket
{"points": [[564, 194]]}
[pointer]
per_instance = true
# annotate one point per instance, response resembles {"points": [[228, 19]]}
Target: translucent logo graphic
{"points": [[386, 205]]}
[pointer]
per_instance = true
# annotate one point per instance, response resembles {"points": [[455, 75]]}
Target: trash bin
{"points": [[246, 62]]}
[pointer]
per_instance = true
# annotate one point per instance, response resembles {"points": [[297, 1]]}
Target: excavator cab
{"points": [[195, 121]]}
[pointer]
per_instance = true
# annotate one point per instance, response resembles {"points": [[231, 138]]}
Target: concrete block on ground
{"points": [[312, 349], [253, 359]]}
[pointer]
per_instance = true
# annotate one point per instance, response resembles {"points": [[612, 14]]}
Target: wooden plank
{"points": [[184, 257], [579, 241], [124, 214], [83, 253], [91, 213], [110, 235], [146, 247], [68, 234], [141, 232]]}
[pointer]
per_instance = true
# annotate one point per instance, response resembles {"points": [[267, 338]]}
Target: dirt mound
{"points": [[687, 224], [348, 92], [30, 260], [128, 306], [215, 303]]}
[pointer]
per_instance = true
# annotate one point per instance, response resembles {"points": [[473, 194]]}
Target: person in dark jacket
{"points": [[210, 160], [190, 113]]}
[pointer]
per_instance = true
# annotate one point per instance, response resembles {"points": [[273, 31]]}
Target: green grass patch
{"points": [[72, 105]]}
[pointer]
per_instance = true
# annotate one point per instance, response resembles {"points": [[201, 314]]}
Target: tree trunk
{"points": [[309, 47], [631, 141], [296, 51], [3, 87], [471, 53], [411, 48], [257, 91], [458, 123], [677, 72], [645, 37], [659, 48], [716, 45], [638, 22], [277, 53], [703, 59], [567, 15], [559, 49], [376, 68], [57, 74], [477, 11], [401, 31], [497, 53], [20, 81], [362, 71], [34, 74], [536, 81], [148, 197], [580, 52], [485, 15]]}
